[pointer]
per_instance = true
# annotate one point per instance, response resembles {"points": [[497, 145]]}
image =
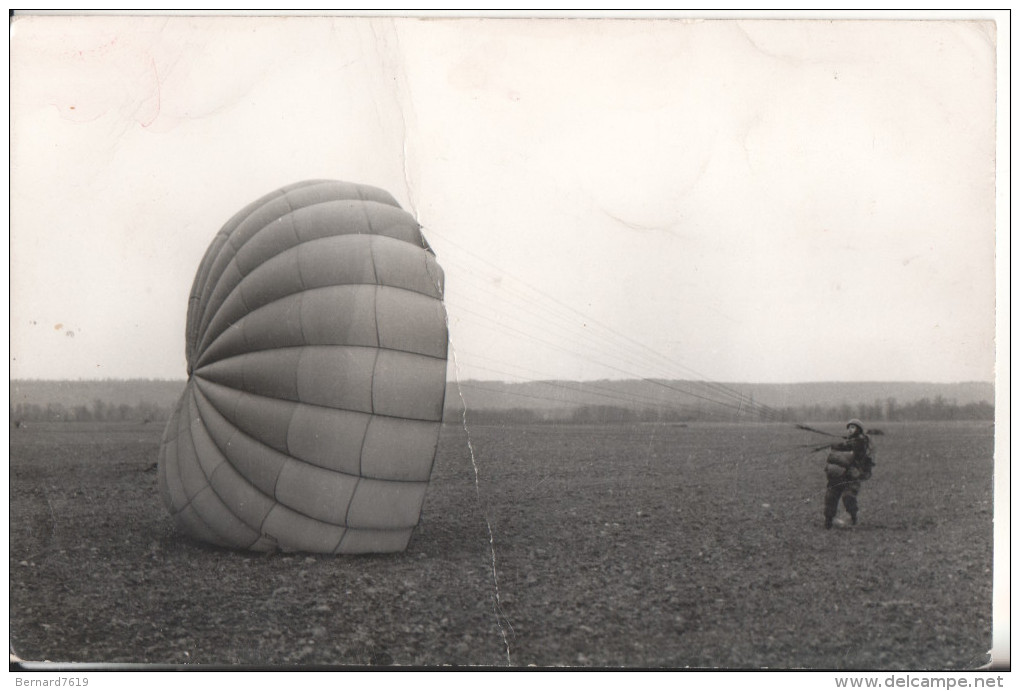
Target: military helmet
{"points": [[855, 421]]}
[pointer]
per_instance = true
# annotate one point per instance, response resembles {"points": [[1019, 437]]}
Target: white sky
{"points": [[769, 201]]}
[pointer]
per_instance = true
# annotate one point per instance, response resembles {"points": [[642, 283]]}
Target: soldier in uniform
{"points": [[850, 462]]}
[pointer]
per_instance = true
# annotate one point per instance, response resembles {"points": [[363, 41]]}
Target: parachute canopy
{"points": [[316, 346]]}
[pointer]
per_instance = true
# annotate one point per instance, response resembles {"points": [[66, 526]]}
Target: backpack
{"points": [[869, 459]]}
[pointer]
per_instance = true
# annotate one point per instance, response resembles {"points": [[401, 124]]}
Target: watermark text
{"points": [[909, 681]]}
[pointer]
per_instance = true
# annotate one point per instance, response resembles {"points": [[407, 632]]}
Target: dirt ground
{"points": [[641, 546]]}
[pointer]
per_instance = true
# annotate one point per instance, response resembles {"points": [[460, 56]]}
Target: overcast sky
{"points": [[767, 201]]}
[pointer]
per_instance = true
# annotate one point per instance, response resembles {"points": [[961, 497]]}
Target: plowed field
{"points": [[640, 546]]}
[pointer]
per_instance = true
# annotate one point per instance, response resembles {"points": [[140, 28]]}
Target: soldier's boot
{"points": [[850, 503], [828, 522]]}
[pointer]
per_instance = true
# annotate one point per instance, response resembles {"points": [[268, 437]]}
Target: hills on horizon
{"points": [[548, 396], [644, 393]]}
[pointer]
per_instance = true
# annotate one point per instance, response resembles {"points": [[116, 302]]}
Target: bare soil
{"points": [[641, 546]]}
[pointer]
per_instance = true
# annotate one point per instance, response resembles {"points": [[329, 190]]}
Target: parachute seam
{"points": [[208, 483], [192, 329], [375, 312], [191, 436], [364, 436], [227, 253], [226, 459], [236, 431], [375, 364], [254, 487], [297, 385], [262, 523], [257, 529], [323, 345], [228, 542], [177, 462], [361, 475], [207, 319], [297, 263], [180, 474], [428, 270], [327, 407], [234, 223], [446, 320], [206, 342], [303, 515], [286, 439], [309, 290], [343, 535], [198, 517], [231, 239], [307, 515], [276, 480], [361, 450], [350, 503], [375, 317]]}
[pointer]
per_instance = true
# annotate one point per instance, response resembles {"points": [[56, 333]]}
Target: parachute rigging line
{"points": [[714, 387], [585, 388], [738, 407], [740, 401]]}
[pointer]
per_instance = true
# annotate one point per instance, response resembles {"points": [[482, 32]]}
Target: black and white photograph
{"points": [[392, 341]]}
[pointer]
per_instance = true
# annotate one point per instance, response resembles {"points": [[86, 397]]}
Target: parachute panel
{"points": [[291, 531], [400, 265], [209, 456], [379, 504], [368, 541], [266, 420], [411, 323], [411, 386], [336, 260], [276, 278], [256, 463], [329, 438], [314, 492], [276, 325], [231, 530], [337, 377], [398, 449], [269, 241], [245, 500], [340, 315]]}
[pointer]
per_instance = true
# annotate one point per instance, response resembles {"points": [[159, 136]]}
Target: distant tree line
{"points": [[889, 410], [99, 411]]}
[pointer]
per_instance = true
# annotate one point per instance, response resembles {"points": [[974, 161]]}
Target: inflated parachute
{"points": [[316, 349]]}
